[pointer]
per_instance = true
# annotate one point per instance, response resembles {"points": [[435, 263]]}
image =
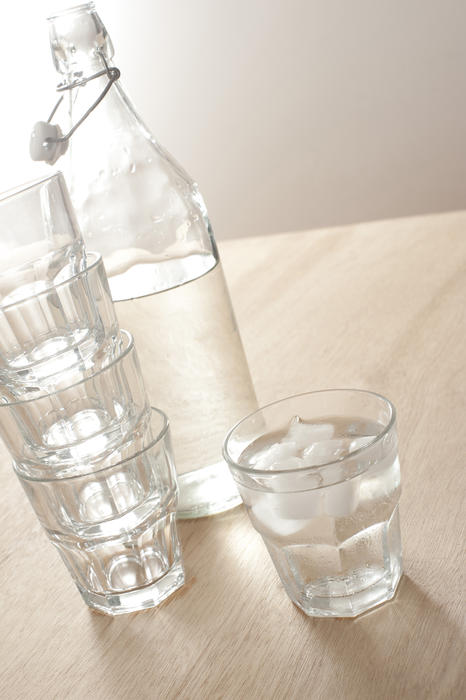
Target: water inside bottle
{"points": [[194, 368]]}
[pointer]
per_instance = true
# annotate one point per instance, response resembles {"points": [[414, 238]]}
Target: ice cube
{"points": [[266, 515], [290, 463], [301, 505], [381, 480], [274, 456], [342, 499], [324, 451], [298, 492], [250, 496], [303, 434], [332, 474]]}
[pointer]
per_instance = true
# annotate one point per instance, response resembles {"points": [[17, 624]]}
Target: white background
{"points": [[290, 114]]}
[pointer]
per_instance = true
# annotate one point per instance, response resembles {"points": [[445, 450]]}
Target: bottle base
{"points": [[206, 491]]}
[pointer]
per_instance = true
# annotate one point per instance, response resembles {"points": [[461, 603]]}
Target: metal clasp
{"points": [[47, 142]]}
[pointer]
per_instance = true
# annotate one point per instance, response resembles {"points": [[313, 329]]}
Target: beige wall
{"points": [[290, 114]]}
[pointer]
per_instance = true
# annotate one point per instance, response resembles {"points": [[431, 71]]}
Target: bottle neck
{"points": [[80, 43]]}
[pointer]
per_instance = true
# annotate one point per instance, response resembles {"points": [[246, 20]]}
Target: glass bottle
{"points": [[142, 211]]}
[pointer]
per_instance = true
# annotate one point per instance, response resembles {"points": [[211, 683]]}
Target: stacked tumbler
{"points": [[92, 455]]}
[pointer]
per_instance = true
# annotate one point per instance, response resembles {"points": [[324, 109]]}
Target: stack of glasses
{"points": [[92, 455]]}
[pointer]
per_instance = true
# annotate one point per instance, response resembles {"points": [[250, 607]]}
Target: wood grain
{"points": [[379, 306]]}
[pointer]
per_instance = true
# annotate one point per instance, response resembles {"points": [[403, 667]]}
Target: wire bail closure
{"points": [[47, 141]]}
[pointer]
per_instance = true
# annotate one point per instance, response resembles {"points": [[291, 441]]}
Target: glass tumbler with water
{"points": [[320, 477]]}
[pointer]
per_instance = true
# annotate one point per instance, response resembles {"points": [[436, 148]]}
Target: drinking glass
{"points": [[320, 477], [77, 423], [68, 325], [39, 238], [113, 520]]}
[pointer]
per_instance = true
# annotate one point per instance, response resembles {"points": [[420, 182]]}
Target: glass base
{"points": [[346, 579], [206, 491], [380, 591], [139, 598]]}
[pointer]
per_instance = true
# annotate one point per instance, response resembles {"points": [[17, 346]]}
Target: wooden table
{"points": [[379, 306]]}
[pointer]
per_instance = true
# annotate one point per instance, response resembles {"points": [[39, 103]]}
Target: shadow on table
{"points": [[408, 647], [125, 650]]}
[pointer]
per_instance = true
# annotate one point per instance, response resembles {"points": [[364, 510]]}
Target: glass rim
{"points": [[97, 259], [130, 347], [71, 10], [299, 470], [30, 184], [159, 437]]}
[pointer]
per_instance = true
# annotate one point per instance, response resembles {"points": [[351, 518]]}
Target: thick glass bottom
{"points": [[206, 491], [344, 579], [139, 598], [134, 566], [382, 589]]}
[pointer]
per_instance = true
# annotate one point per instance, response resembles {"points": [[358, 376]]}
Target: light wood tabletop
{"points": [[380, 306]]}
